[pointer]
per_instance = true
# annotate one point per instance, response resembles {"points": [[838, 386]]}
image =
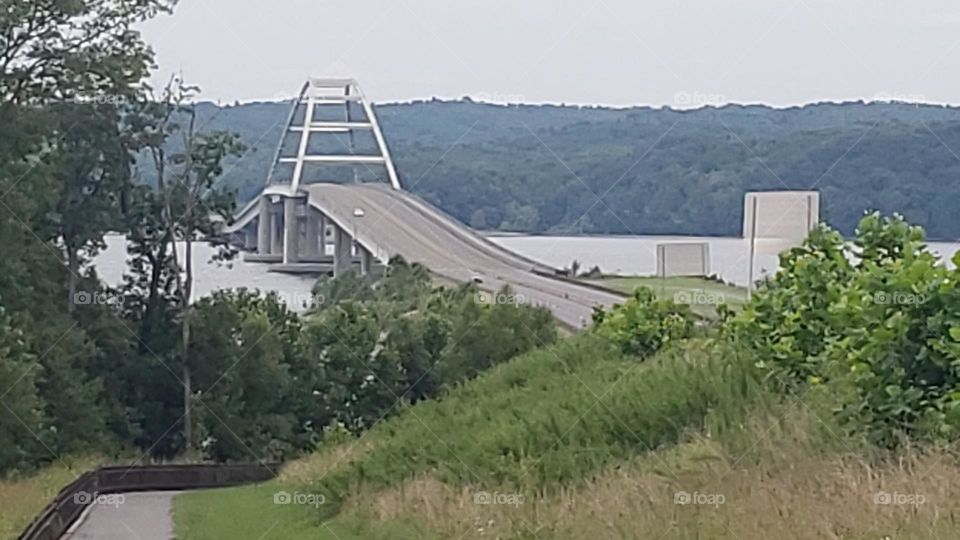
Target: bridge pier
{"points": [[322, 233], [291, 231], [312, 233], [263, 227], [342, 256], [276, 230], [366, 260]]}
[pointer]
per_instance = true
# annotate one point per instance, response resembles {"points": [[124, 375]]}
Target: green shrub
{"points": [[788, 322], [644, 324], [883, 332]]}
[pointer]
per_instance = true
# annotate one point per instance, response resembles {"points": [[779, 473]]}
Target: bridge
{"points": [[333, 202]]}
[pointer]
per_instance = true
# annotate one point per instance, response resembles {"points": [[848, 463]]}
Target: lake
{"points": [[634, 255]]}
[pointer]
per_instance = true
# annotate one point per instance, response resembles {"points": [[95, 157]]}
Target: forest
{"points": [[637, 171]]}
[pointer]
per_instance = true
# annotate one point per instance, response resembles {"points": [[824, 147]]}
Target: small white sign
{"points": [[683, 259]]}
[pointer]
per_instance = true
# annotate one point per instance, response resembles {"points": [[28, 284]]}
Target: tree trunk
{"points": [[73, 278], [185, 336], [187, 415]]}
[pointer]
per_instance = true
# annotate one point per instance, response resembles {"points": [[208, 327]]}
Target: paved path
{"points": [[137, 516]]}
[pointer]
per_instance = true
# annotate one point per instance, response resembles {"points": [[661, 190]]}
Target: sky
{"points": [[680, 53]]}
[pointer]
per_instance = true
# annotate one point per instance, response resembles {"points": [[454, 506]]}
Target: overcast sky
{"points": [[613, 52]]}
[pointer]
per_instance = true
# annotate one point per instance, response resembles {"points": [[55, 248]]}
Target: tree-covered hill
{"points": [[648, 171]]}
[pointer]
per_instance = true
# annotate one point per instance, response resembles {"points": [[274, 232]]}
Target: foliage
{"points": [[247, 343], [788, 322], [400, 340], [94, 165], [880, 332], [22, 414], [644, 324], [271, 384], [52, 50]]}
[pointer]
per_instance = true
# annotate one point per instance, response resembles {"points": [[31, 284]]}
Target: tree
{"points": [[21, 412], [60, 51], [62, 65], [93, 167], [358, 384], [248, 374], [185, 207]]}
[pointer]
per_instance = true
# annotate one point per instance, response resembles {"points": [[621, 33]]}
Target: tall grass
{"points": [[23, 497], [552, 418]]}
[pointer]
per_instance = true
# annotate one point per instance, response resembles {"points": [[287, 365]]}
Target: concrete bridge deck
{"points": [[388, 222]]}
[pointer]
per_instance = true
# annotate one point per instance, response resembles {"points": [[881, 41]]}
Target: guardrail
{"points": [[57, 517]]}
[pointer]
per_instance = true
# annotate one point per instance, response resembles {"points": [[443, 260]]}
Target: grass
{"points": [[800, 497], [703, 295], [581, 442], [542, 424], [22, 498]]}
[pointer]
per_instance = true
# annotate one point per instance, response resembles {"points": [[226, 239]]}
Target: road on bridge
{"points": [[400, 223]]}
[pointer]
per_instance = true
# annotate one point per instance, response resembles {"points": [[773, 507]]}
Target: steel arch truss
{"points": [[357, 120]]}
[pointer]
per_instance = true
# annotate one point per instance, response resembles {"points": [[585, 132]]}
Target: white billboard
{"points": [[777, 220], [683, 259]]}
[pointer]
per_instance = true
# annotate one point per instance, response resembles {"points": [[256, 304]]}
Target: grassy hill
{"points": [[579, 441]]}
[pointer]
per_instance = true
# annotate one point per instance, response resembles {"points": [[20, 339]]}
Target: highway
{"points": [[394, 222]]}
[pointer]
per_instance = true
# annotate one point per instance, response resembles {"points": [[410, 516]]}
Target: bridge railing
{"points": [[57, 517]]}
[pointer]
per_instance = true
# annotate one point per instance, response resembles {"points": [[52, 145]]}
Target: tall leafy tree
{"points": [[184, 207], [55, 161], [93, 167]]}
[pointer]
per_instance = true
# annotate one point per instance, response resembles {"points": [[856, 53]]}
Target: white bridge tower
{"points": [[331, 136]]}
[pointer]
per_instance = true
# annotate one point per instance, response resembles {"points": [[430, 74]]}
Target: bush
{"points": [[644, 324], [788, 322], [883, 332]]}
